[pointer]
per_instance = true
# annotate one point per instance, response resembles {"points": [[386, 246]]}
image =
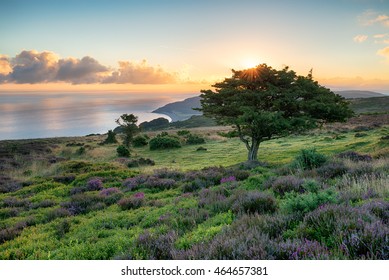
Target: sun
{"points": [[250, 63]]}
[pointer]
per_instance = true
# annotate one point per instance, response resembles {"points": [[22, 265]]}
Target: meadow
{"points": [[320, 195]]}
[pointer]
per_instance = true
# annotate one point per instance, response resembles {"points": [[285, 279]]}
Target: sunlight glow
{"points": [[250, 63]]}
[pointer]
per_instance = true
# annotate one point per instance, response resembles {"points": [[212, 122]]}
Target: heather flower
{"points": [[94, 185], [227, 179], [109, 191]]}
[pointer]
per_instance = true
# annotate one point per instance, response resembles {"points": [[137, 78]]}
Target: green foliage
{"points": [[139, 141], [263, 102], [111, 138], [122, 151], [194, 139], [128, 125], [309, 159], [155, 124], [183, 132], [164, 142]]}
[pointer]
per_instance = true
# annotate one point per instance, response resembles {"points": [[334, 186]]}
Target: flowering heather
{"points": [[139, 195], [132, 184], [227, 179], [285, 184], [109, 191], [302, 250], [94, 185], [162, 184]]}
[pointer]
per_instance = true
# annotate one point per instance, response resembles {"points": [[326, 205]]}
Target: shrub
{"points": [[357, 232], [183, 132], [199, 149], [155, 247], [80, 151], [285, 184], [134, 183], [122, 151], [159, 183], [140, 162], [111, 138], [166, 173], [6, 213], [215, 200], [307, 202], [332, 170], [227, 179], [65, 179], [164, 142], [111, 195], [132, 202], [57, 213], [302, 250], [82, 203], [194, 139], [139, 141], [94, 185], [254, 202], [309, 159], [354, 156]]}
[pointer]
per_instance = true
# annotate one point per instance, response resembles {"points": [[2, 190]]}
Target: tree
{"points": [[128, 124], [262, 103]]}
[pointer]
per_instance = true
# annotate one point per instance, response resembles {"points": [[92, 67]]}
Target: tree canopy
{"points": [[128, 124], [262, 103]]}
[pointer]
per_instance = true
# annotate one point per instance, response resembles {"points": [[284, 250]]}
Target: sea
{"points": [[30, 115]]}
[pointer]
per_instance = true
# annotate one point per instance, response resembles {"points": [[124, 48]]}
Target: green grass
{"points": [[173, 218]]}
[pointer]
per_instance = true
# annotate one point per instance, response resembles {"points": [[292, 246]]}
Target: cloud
{"points": [[140, 73], [44, 67], [371, 17], [360, 38], [80, 71], [384, 52], [380, 36]]}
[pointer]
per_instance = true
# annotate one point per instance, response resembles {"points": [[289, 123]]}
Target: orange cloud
{"points": [[32, 67], [140, 73]]}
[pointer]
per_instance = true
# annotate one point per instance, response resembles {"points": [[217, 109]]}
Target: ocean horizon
{"points": [[30, 115]]}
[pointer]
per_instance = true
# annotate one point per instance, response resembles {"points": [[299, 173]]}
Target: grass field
{"points": [[71, 198]]}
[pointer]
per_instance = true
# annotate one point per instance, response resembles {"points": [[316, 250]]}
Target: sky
{"points": [[186, 46]]}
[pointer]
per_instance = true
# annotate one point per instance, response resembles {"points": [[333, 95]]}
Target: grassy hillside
{"points": [[370, 105], [72, 198]]}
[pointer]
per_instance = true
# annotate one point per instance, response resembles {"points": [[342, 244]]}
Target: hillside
{"points": [[370, 105], [359, 94], [181, 110]]}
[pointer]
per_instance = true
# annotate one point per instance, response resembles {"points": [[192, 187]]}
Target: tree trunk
{"points": [[253, 151]]}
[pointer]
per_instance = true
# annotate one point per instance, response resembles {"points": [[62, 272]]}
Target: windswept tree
{"points": [[262, 103], [128, 125]]}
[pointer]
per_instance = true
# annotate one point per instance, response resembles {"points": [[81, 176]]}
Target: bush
{"points": [[285, 184], [111, 195], [94, 184], [139, 141], [159, 183], [302, 250], [309, 159], [155, 247], [133, 202], [164, 142], [304, 203], [354, 230], [354, 156], [122, 151], [254, 202], [111, 138], [166, 173], [82, 203], [140, 162], [215, 200], [194, 139], [183, 132], [332, 170], [134, 183]]}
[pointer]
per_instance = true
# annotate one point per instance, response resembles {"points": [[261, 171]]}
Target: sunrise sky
{"points": [[185, 46]]}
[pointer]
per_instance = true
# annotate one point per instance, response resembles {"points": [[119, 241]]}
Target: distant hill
{"points": [[370, 105], [181, 110], [359, 94]]}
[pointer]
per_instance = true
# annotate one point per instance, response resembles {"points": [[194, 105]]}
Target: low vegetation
{"points": [[321, 195]]}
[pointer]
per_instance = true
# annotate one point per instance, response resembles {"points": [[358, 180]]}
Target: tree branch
{"points": [[244, 140]]}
